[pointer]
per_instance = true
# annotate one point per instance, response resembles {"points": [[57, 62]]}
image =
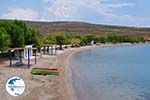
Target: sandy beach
{"points": [[40, 87]]}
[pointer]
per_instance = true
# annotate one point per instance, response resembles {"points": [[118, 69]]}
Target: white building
{"points": [[25, 53]]}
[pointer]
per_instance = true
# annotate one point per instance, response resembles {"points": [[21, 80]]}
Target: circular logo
{"points": [[15, 86]]}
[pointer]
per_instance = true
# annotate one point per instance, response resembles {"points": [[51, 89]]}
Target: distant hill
{"points": [[85, 28]]}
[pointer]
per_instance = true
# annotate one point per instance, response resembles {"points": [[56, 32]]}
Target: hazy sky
{"points": [[117, 12]]}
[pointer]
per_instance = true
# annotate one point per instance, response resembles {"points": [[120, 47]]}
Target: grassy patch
{"points": [[44, 72]]}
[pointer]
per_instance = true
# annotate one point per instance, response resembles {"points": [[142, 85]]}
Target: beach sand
{"points": [[40, 87]]}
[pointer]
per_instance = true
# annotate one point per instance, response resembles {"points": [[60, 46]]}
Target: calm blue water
{"points": [[111, 73]]}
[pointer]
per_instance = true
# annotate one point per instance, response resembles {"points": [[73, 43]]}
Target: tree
{"points": [[61, 39], [4, 40], [49, 39], [75, 41], [22, 25], [17, 37], [15, 31], [101, 39], [89, 38], [31, 37], [20, 34]]}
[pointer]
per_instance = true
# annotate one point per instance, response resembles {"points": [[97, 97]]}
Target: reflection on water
{"points": [[111, 73]]}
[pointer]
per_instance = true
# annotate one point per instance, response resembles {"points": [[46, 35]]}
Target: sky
{"points": [[110, 12]]}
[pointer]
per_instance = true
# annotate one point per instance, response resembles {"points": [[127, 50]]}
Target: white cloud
{"points": [[20, 13], [60, 10], [72, 9], [119, 5], [76, 10]]}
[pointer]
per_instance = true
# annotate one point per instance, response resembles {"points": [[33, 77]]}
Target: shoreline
{"points": [[74, 51], [46, 87], [64, 75], [40, 87], [68, 84]]}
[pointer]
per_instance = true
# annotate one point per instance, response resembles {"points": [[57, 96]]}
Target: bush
{"points": [[20, 34], [4, 40]]}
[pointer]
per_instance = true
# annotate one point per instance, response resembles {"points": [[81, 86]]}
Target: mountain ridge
{"points": [[73, 27], [77, 27]]}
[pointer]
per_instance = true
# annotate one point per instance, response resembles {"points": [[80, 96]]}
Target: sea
{"points": [[111, 73]]}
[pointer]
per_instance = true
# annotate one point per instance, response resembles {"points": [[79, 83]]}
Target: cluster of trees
{"points": [[85, 39], [16, 34], [121, 39], [62, 39]]}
